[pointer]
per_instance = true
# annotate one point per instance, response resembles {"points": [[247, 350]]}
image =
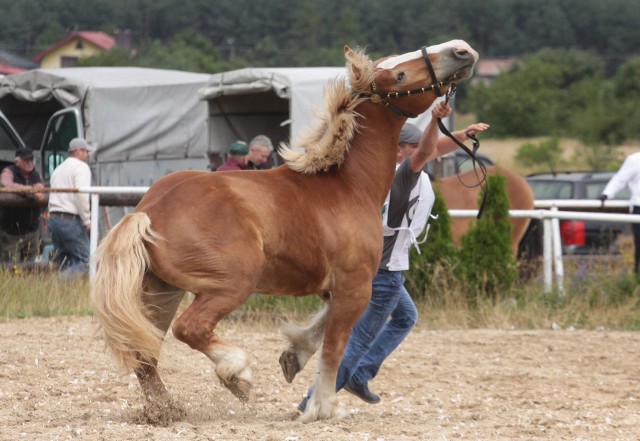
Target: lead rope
{"points": [[482, 177]]}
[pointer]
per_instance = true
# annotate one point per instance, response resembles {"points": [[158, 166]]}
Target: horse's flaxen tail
{"points": [[117, 293]]}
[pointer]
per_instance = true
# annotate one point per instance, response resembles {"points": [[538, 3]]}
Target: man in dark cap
{"points": [[19, 226], [236, 157]]}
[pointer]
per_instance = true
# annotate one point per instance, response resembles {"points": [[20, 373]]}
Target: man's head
{"points": [[409, 140], [260, 148], [24, 160], [80, 148]]}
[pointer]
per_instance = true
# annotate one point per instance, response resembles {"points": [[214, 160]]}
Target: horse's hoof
{"points": [[310, 416], [163, 412], [290, 365], [240, 388]]}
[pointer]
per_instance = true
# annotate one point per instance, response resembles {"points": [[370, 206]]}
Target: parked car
{"points": [[581, 237]]}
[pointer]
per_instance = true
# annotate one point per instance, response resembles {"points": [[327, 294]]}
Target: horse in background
{"points": [[311, 226], [458, 195]]}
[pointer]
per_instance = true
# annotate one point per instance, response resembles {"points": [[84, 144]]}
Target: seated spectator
{"points": [[260, 149], [236, 157]]}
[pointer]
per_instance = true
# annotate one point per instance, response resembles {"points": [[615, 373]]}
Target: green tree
{"points": [[486, 262], [626, 95], [545, 156], [543, 92], [437, 253], [52, 34]]}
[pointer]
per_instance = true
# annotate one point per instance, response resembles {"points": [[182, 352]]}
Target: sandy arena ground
{"points": [[56, 383]]}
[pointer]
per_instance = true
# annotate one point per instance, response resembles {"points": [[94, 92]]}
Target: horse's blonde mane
{"points": [[327, 141]]}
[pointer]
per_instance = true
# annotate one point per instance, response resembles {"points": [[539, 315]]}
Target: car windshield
{"points": [[552, 189]]}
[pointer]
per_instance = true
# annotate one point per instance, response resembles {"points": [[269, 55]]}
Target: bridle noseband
{"points": [[383, 99]]}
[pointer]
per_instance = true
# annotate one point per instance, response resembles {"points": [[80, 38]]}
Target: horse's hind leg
{"points": [[303, 343], [195, 327], [162, 301]]}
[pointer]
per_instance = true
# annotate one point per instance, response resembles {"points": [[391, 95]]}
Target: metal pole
{"points": [[557, 252], [546, 252], [93, 237]]}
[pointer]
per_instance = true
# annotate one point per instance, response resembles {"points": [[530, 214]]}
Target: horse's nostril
{"points": [[462, 54]]}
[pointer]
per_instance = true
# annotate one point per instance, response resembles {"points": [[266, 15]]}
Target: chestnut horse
{"points": [[311, 226], [458, 195]]}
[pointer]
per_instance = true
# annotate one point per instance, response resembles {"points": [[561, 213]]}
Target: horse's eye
{"points": [[400, 77]]}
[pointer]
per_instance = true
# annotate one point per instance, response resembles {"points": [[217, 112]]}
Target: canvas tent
{"points": [[277, 102], [143, 121]]}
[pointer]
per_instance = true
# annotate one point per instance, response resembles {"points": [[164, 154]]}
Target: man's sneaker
{"points": [[361, 391], [303, 404]]}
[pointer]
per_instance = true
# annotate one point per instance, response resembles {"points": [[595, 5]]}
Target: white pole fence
{"points": [[95, 193], [545, 210]]}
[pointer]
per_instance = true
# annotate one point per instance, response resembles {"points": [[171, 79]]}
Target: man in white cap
{"points": [[69, 216]]}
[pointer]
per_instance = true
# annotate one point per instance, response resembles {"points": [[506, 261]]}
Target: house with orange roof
{"points": [[488, 69], [11, 63], [70, 49]]}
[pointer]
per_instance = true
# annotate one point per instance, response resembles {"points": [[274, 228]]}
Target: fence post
{"points": [[557, 252], [93, 236], [546, 253]]}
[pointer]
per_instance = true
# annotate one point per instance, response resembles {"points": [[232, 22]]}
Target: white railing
{"points": [[550, 217], [95, 193], [545, 210]]}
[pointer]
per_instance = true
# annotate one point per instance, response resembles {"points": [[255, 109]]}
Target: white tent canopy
{"points": [[277, 102], [129, 113]]}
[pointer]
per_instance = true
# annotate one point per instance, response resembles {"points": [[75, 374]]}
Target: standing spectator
{"points": [[19, 228], [260, 149], [236, 158], [629, 175], [69, 215]]}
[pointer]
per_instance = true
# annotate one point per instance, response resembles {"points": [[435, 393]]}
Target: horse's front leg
{"points": [[346, 307]]}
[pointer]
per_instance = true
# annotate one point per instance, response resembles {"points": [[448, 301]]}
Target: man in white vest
{"points": [[391, 313]]}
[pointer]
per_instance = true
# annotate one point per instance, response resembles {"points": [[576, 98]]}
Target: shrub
{"points": [[437, 252], [486, 262], [546, 155]]}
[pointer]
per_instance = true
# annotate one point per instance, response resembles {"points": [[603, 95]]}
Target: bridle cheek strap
{"points": [[434, 79]]}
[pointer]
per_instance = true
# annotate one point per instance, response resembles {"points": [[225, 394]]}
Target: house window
{"points": [[79, 45], [67, 61]]}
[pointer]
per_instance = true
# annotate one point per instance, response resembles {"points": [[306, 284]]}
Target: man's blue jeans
{"points": [[375, 335], [71, 245]]}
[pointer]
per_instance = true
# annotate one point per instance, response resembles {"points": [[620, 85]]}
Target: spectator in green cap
{"points": [[236, 157]]}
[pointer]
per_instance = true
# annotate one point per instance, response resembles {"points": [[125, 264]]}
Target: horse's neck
{"points": [[371, 162]]}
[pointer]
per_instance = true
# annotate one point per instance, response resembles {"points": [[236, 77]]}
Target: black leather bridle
{"points": [[435, 85], [383, 99]]}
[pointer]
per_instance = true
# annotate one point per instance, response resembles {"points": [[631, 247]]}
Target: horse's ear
{"points": [[360, 68]]}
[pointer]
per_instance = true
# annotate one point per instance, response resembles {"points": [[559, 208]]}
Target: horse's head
{"points": [[428, 72], [406, 84]]}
